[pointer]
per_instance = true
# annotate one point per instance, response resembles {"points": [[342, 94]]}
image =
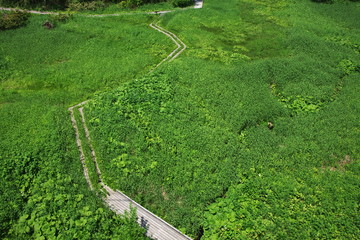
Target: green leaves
{"points": [[301, 104], [54, 212], [274, 206], [347, 67], [13, 19]]}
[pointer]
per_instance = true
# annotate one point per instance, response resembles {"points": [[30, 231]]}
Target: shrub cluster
{"points": [[136, 3], [334, 1], [84, 6], [11, 20], [181, 3]]}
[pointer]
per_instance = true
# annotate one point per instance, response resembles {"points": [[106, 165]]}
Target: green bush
{"points": [[11, 20], [181, 3], [43, 4], [60, 17], [133, 3], [86, 6], [56, 19]]}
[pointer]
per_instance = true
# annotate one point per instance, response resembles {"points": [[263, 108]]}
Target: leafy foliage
{"points": [[181, 3], [53, 212], [11, 20], [191, 141], [286, 207], [85, 6], [43, 193], [90, 5]]}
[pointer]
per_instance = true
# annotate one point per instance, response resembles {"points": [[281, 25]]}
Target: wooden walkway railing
{"points": [[156, 228]]}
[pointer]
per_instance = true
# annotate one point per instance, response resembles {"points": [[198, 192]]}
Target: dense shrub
{"points": [[32, 58], [131, 3], [10, 20], [334, 1], [60, 17], [181, 3], [323, 1], [55, 19], [197, 133], [84, 6], [45, 4]]}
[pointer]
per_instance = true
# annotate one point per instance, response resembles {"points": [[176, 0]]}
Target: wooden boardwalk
{"points": [[156, 228]]}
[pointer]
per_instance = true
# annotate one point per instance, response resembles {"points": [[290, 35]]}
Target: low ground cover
{"points": [[252, 132], [98, 6], [43, 72]]}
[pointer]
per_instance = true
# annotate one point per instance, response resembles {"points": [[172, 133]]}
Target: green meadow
{"points": [[253, 132]]}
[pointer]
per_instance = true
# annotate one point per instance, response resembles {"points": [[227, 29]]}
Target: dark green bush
{"points": [[131, 3], [334, 1], [323, 1], [86, 6], [54, 20], [44, 4], [181, 3], [60, 17], [11, 20]]}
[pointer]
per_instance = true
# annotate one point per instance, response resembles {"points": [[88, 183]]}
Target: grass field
{"points": [[251, 133]]}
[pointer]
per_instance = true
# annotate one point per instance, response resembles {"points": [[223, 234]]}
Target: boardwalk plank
{"points": [[117, 201]]}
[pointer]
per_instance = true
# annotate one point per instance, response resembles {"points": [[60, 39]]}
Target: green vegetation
{"points": [[10, 20], [251, 133], [92, 5], [43, 72], [191, 141]]}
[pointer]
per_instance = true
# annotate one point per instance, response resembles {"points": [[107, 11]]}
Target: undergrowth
{"points": [[251, 133], [43, 72], [192, 141]]}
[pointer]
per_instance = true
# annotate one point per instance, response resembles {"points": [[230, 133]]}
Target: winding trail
{"points": [[117, 201], [79, 145], [180, 44], [120, 203]]}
